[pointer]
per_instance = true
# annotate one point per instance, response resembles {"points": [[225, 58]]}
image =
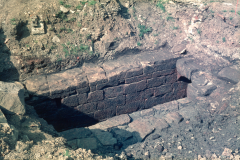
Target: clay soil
{"points": [[99, 31]]}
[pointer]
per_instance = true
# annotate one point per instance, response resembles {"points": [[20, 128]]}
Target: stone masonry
{"points": [[83, 96]]}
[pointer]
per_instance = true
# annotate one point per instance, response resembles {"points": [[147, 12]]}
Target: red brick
{"points": [[134, 72], [163, 73], [162, 90], [104, 114], [112, 102], [155, 82], [138, 96], [71, 101], [171, 78], [95, 96], [135, 87], [115, 91], [181, 94], [137, 78], [87, 108], [129, 108]]}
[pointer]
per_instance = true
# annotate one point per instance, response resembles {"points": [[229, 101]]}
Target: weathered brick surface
{"points": [[134, 97], [74, 100], [155, 82], [112, 102], [111, 92], [137, 78], [171, 78], [161, 90], [129, 108], [105, 113], [135, 87], [163, 73], [95, 96], [87, 108]]}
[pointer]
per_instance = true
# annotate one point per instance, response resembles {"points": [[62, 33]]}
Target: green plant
{"points": [[68, 43], [69, 30], [61, 15], [79, 24], [217, 41], [27, 45], [175, 27], [83, 3], [72, 19], [53, 47], [136, 18], [199, 31], [62, 29], [231, 18], [232, 10], [143, 30], [85, 14], [79, 7], [224, 10], [160, 4], [155, 35], [92, 2], [13, 19], [224, 39], [58, 36], [156, 42], [88, 36], [51, 29], [61, 2], [67, 6], [212, 11], [238, 12], [170, 18], [139, 44]]}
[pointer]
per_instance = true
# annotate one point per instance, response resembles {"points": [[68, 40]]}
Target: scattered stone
{"points": [[173, 117], [87, 143], [229, 74], [160, 148], [227, 152], [22, 146], [118, 146], [155, 136], [123, 134], [56, 39], [179, 49], [142, 127], [63, 9], [12, 98], [179, 147], [105, 138]]}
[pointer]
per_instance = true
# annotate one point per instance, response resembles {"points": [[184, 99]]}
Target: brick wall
{"points": [[83, 96]]}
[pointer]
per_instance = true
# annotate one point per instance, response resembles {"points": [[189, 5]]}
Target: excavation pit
{"points": [[84, 96]]}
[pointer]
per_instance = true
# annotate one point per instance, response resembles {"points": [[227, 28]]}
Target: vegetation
{"points": [[139, 44], [199, 31], [170, 18], [143, 30], [92, 2], [224, 39], [160, 4]]}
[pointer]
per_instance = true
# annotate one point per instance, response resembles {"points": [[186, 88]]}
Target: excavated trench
{"points": [[84, 96]]}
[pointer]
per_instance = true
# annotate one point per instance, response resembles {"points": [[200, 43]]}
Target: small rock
{"points": [[173, 117], [63, 9], [227, 152], [160, 148], [179, 49], [179, 147], [55, 39], [155, 136]]}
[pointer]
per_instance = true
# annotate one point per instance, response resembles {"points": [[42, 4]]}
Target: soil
{"points": [[99, 32]]}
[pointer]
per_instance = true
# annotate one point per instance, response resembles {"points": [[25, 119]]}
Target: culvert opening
{"points": [[72, 99]]}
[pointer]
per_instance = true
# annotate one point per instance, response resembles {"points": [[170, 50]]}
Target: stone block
{"points": [[163, 90], [12, 98], [87, 108], [163, 73], [83, 90], [62, 83], [129, 108], [95, 74], [169, 106], [155, 82], [137, 78], [135, 87], [87, 143], [134, 72], [138, 96], [105, 113], [112, 122], [115, 91], [230, 75], [74, 100], [173, 117], [171, 78], [142, 127], [152, 101], [95, 96], [170, 96], [148, 93], [76, 133], [148, 69], [37, 85], [186, 67], [112, 102], [105, 138], [181, 94]]}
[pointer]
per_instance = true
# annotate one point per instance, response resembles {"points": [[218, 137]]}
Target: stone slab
{"points": [[105, 138], [87, 143], [76, 133], [112, 122], [230, 75]]}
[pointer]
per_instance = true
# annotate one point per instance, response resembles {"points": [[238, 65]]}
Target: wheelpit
{"points": [[84, 96]]}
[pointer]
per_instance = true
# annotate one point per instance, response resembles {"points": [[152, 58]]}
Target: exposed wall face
{"points": [[83, 96]]}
